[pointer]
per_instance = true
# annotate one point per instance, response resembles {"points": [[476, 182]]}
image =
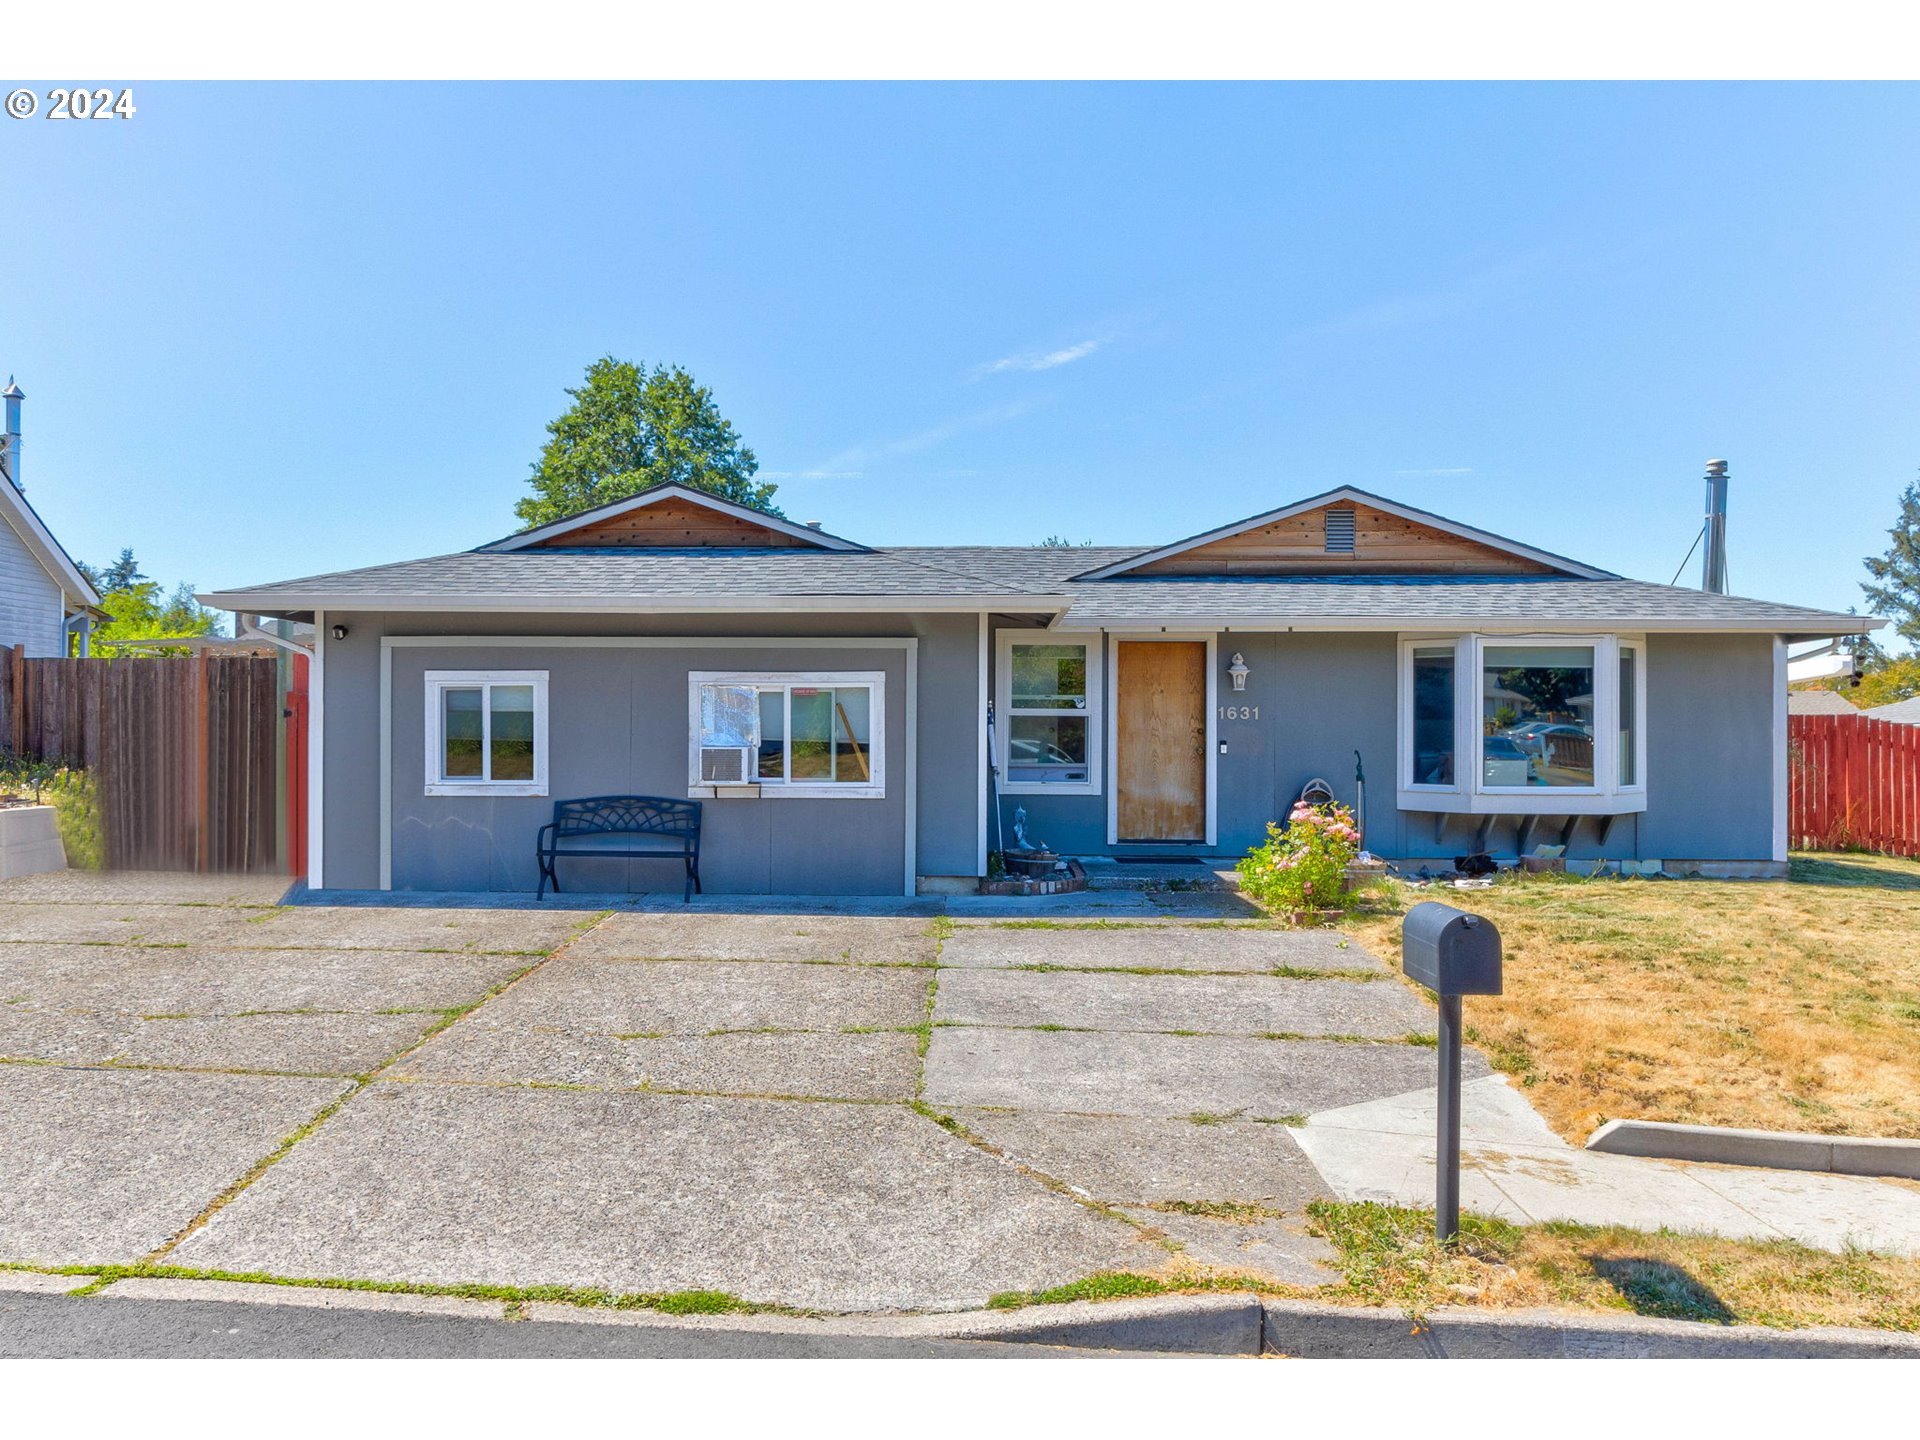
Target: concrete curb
{"points": [[1218, 1325], [1180, 1324], [1311, 1331], [1773, 1149], [314, 1297]]}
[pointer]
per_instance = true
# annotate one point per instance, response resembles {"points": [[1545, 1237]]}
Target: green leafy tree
{"points": [[630, 428], [120, 575], [142, 611], [1889, 679], [1894, 589], [1546, 688]]}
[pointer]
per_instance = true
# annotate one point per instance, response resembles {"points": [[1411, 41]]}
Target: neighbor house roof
{"points": [[1903, 712], [1819, 702], [48, 552], [1080, 587]]}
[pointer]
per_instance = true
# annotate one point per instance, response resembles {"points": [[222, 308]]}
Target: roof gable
{"points": [[39, 541], [673, 517], [1346, 532]]}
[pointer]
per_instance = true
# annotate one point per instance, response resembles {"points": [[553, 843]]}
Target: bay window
{"points": [[1493, 724], [1048, 713], [788, 735], [486, 732]]}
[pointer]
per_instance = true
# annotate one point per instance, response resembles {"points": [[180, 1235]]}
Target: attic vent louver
{"points": [[1340, 531]]}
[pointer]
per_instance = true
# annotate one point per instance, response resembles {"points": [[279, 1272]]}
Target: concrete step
{"points": [[1212, 872]]}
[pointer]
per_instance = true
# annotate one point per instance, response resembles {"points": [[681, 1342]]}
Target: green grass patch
{"points": [[1107, 1285], [670, 1302]]}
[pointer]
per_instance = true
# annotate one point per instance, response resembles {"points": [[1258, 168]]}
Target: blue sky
{"points": [[271, 330]]}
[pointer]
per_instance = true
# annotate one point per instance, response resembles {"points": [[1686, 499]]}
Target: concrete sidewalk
{"points": [[1515, 1168]]}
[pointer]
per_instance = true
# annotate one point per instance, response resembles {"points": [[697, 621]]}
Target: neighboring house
{"points": [[43, 596], [1819, 702], [829, 700], [1901, 712]]}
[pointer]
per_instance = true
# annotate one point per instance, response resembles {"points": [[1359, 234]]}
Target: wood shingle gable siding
{"points": [[1383, 544], [674, 524]]}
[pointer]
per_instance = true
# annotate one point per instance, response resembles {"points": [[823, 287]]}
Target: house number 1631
{"points": [[1239, 712]]}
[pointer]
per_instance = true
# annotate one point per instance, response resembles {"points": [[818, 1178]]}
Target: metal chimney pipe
{"points": [[10, 445], [1713, 560]]}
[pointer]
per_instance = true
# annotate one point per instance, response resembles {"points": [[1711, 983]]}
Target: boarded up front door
{"points": [[1160, 739]]}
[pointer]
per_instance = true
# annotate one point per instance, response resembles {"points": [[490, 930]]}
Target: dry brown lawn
{"points": [[1779, 1005]]}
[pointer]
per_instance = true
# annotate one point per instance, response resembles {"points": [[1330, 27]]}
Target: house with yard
{"points": [[848, 715], [44, 598]]}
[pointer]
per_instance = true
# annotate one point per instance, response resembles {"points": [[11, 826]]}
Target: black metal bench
{"points": [[621, 827]]}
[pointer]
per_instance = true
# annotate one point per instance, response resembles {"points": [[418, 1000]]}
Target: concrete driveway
{"points": [[840, 1112]]}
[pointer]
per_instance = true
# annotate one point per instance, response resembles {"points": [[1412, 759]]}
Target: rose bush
{"points": [[1303, 867]]}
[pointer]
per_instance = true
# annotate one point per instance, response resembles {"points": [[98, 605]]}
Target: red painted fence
{"points": [[1855, 784]]}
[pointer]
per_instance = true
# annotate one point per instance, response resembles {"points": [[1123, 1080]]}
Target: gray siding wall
{"points": [[619, 718], [1321, 697], [618, 724], [30, 605]]}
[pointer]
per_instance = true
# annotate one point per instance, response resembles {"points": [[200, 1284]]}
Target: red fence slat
{"points": [[1855, 784]]}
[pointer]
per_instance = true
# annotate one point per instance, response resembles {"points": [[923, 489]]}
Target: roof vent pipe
{"points": [[1713, 560], [10, 444]]}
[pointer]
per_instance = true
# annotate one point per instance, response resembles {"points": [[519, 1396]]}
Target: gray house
{"points": [[830, 700], [43, 596]]}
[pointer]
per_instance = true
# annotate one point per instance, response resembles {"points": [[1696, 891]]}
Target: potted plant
{"points": [[1301, 870]]}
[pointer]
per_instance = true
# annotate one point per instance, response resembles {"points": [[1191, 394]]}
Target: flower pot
{"points": [[1306, 918], [1030, 863]]}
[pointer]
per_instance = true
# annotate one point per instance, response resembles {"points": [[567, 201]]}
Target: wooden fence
{"points": [[1855, 784], [183, 751]]}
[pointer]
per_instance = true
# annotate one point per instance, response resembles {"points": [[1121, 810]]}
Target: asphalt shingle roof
{"points": [[611, 578], [1819, 702], [1441, 599], [1904, 712]]}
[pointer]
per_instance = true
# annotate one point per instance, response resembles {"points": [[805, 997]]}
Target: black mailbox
{"points": [[1449, 951]]}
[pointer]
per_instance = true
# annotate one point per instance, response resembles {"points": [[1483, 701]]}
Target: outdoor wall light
{"points": [[1238, 670], [340, 633]]}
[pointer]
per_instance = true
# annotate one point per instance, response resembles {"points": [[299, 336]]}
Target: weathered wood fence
{"points": [[1854, 784], [183, 751]]}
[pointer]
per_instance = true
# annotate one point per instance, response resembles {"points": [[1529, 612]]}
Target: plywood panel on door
{"points": [[1160, 736]]}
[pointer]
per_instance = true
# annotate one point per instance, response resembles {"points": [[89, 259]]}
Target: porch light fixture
{"points": [[1238, 670], [339, 632]]}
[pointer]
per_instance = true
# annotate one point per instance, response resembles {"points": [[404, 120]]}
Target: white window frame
{"points": [[440, 681], [874, 681], [1003, 711], [1469, 794]]}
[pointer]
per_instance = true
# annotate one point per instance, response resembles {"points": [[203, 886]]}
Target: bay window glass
{"points": [[1433, 708], [1629, 716], [1537, 712]]}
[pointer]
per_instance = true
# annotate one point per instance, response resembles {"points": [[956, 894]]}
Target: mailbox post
{"points": [[1453, 954]]}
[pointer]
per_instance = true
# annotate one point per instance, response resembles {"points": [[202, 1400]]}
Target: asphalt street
{"points": [[63, 1327]]}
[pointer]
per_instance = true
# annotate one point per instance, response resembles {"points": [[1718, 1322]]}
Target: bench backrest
{"points": [[627, 815]]}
